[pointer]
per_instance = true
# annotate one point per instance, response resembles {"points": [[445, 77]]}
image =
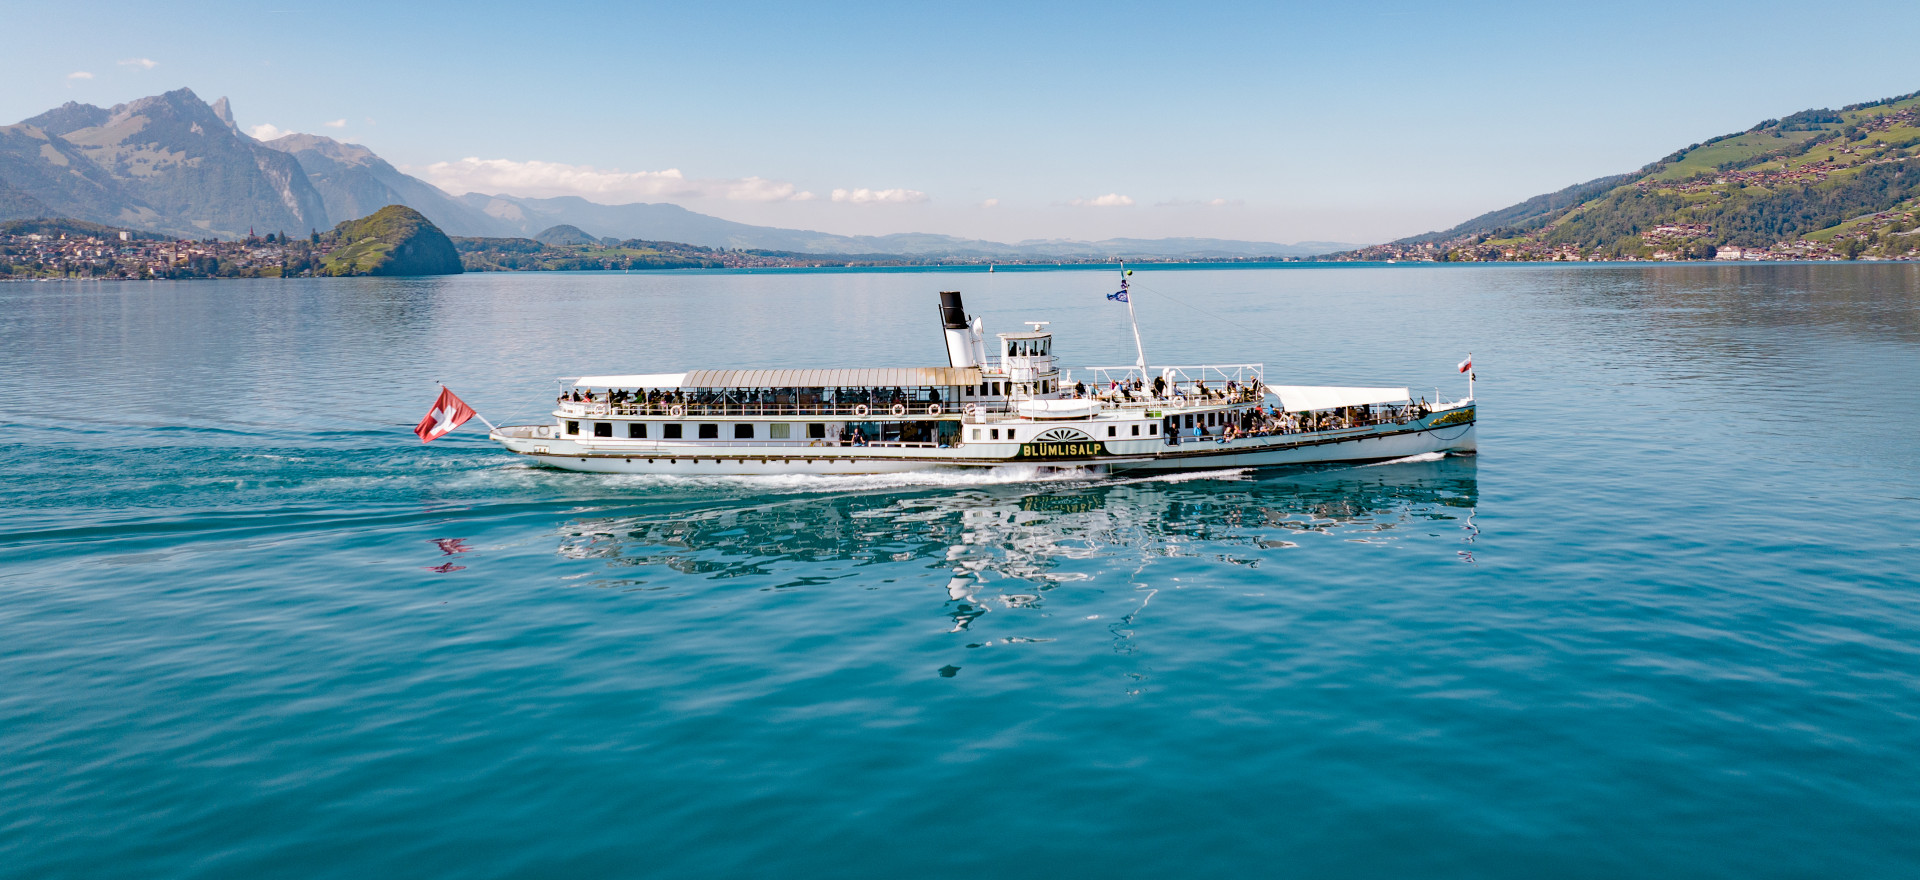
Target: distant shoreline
{"points": [[969, 269]]}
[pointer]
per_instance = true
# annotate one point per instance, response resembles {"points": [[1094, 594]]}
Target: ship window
{"points": [[817, 431], [1189, 418], [1152, 430], [637, 430], [996, 433], [1009, 433], [779, 431], [603, 429], [1112, 430], [670, 432], [996, 389], [709, 432], [976, 433], [573, 427], [743, 432], [1136, 430]]}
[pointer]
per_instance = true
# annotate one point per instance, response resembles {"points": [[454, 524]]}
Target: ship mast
{"points": [[1128, 298]]}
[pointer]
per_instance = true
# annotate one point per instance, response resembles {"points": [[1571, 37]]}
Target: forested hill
{"points": [[1530, 214], [1818, 184]]}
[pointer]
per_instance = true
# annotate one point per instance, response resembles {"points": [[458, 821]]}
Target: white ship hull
{"points": [[1373, 443]]}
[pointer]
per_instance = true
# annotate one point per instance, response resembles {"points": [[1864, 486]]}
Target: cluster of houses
{"points": [[124, 257], [1812, 172], [1889, 235]]}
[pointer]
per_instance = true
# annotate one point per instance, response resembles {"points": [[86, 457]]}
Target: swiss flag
{"points": [[449, 412], [1466, 364]]}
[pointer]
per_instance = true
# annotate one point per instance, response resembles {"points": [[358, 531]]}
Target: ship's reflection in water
{"points": [[1007, 545]]}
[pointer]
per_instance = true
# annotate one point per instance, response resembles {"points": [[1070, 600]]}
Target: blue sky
{"points": [[1275, 121]]}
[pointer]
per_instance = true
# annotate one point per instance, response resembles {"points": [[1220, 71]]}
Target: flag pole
{"points": [[1469, 377], [476, 413], [1137, 348]]}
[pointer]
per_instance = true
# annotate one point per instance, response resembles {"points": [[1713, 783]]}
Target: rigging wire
{"points": [[1157, 292]]}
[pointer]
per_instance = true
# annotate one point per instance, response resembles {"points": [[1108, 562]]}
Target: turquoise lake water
{"points": [[1666, 623]]}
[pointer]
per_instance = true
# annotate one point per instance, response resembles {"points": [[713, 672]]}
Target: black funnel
{"points": [[952, 315]]}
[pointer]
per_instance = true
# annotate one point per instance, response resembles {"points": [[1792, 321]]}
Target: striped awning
{"points": [[882, 377]]}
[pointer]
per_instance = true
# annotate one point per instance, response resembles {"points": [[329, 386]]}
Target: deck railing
{"points": [[1109, 399], [864, 412]]}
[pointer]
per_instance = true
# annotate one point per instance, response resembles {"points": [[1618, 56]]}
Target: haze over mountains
{"points": [[175, 164]]}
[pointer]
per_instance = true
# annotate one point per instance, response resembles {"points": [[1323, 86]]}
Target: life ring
{"points": [[861, 410], [972, 409], [899, 409], [544, 430], [677, 411], [933, 409]]}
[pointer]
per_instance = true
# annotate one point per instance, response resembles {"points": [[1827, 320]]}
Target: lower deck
{"points": [[1107, 443]]}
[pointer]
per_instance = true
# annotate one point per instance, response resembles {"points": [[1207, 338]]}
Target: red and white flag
{"points": [[1466, 364], [449, 412]]}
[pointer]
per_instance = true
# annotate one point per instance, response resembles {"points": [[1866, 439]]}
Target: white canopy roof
{"points": [[641, 380], [1301, 398], [1059, 409], [897, 377]]}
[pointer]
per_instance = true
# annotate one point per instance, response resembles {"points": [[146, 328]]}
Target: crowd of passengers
{"points": [[1257, 421], [1136, 390], [657, 401], [1267, 421]]}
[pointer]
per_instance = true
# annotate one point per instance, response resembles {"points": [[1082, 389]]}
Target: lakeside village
{"points": [[1665, 243], [120, 255], [124, 255]]}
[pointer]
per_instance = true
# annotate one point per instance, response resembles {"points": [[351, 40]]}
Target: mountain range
{"points": [[176, 165]]}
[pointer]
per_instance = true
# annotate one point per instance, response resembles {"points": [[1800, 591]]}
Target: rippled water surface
{"points": [[1667, 623]]}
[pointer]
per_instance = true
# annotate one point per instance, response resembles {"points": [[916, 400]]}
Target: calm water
{"points": [[1667, 623]]}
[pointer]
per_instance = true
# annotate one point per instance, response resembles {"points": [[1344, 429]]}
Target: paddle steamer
{"points": [[1012, 407]]}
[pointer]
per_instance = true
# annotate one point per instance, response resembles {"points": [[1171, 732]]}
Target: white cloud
{"points": [[990, 203], [864, 196], [1110, 200], [267, 131], [539, 179], [1200, 203], [142, 63], [337, 123], [79, 74]]}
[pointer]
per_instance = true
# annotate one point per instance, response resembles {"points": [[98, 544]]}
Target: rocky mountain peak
{"points": [[68, 117], [301, 142], [225, 111]]}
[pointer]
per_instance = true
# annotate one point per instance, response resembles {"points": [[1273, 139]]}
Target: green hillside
{"points": [[1819, 184], [526, 254], [395, 240]]}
